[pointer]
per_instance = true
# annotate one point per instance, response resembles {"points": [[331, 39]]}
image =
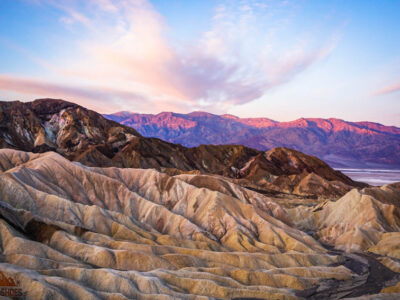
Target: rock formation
{"points": [[64, 226], [367, 219], [72, 231], [90, 209]]}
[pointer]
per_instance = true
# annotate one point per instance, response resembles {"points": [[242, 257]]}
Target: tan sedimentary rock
{"points": [[360, 220], [68, 231], [389, 245]]}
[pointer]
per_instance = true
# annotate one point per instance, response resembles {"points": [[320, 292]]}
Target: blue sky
{"points": [[252, 58]]}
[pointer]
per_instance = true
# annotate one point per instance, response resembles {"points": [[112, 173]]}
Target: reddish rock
{"points": [[339, 142]]}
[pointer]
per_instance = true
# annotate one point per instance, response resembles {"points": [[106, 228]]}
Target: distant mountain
{"points": [[340, 143]]}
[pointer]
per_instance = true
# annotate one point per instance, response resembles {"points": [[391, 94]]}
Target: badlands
{"points": [[90, 209]]}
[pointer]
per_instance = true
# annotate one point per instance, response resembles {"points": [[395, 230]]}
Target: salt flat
{"points": [[375, 177]]}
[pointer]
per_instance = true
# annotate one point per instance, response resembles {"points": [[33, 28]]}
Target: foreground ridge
{"points": [[135, 233]]}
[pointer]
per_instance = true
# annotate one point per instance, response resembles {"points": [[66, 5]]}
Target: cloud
{"points": [[87, 96], [126, 46], [387, 90]]}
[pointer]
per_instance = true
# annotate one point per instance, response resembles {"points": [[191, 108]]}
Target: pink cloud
{"points": [[209, 73], [130, 52], [388, 90], [104, 100]]}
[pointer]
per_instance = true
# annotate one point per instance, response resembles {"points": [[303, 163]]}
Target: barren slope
{"points": [[360, 220], [70, 231]]}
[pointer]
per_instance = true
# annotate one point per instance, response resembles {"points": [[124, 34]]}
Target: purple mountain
{"points": [[341, 143]]}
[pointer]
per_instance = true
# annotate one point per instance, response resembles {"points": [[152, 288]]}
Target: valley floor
{"points": [[376, 177]]}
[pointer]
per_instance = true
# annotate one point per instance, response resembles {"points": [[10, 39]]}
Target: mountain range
{"points": [[87, 137], [338, 142], [91, 209]]}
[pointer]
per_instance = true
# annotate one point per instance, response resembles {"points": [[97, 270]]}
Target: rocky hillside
{"points": [[85, 136], [356, 222], [341, 143], [57, 125], [68, 231]]}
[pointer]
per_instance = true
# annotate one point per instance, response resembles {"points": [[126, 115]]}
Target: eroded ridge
{"points": [[71, 231]]}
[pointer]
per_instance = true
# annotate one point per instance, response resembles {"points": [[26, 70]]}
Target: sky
{"points": [[252, 58]]}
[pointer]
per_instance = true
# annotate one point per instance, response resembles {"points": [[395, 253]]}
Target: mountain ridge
{"points": [[127, 113], [361, 144]]}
